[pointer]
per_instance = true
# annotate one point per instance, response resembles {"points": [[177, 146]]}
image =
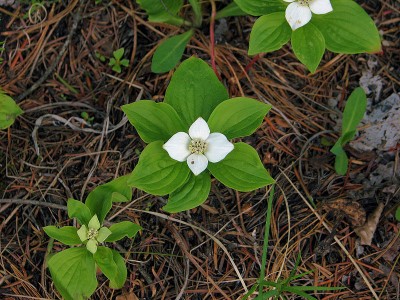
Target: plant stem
{"points": [[266, 235], [197, 12], [212, 41]]}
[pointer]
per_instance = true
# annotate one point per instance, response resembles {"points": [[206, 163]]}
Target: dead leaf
{"points": [[129, 296], [366, 232], [353, 210]]}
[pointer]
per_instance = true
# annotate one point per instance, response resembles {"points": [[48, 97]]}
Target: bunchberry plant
{"points": [[9, 110], [353, 113], [117, 61], [170, 51], [188, 136], [74, 270], [340, 26]]}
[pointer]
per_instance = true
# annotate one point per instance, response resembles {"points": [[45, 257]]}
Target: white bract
{"points": [[93, 234], [299, 12], [198, 147]]}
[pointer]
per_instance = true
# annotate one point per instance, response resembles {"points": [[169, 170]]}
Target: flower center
{"points": [[197, 146], [304, 2], [92, 233]]}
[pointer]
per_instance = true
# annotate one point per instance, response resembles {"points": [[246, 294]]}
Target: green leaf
{"points": [[153, 121], [398, 213], [118, 53], [105, 260], [341, 161], [269, 33], [117, 68], [66, 235], [295, 290], [9, 111], [231, 10], [238, 117], [353, 112], [196, 7], [122, 229], [124, 62], [192, 194], [348, 29], [309, 45], [112, 62], [120, 278], [157, 173], [77, 209], [261, 7], [194, 91], [117, 197], [74, 273], [100, 199], [268, 295], [241, 169], [161, 11], [170, 52]]}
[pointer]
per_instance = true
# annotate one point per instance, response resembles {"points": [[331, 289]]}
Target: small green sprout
{"points": [[116, 62], [100, 56], [86, 117]]}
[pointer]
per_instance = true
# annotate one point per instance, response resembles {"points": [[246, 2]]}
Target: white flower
{"points": [[198, 147], [298, 13], [93, 234]]}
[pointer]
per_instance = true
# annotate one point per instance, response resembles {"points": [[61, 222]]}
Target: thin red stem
{"points": [[252, 62], [212, 38]]}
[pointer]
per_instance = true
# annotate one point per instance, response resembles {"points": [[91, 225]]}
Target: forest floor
{"points": [[51, 154]]}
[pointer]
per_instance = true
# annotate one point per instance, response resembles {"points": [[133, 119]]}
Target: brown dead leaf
{"points": [[353, 210], [129, 296], [366, 232]]}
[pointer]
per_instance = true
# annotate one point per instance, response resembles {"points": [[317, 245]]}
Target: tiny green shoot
{"points": [[117, 61], [352, 115]]}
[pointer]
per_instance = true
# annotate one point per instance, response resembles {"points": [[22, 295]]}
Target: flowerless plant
{"points": [[74, 270], [353, 113], [188, 136], [341, 26], [117, 61], [169, 52]]}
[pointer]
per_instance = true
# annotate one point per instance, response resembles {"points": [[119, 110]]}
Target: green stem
{"points": [[197, 12], [266, 235]]}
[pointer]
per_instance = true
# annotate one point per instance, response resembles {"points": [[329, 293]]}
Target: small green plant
{"points": [[100, 56], [9, 110], [188, 139], [398, 213], [86, 117], [170, 51], [283, 286], [74, 270], [117, 61], [353, 113], [340, 26]]}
